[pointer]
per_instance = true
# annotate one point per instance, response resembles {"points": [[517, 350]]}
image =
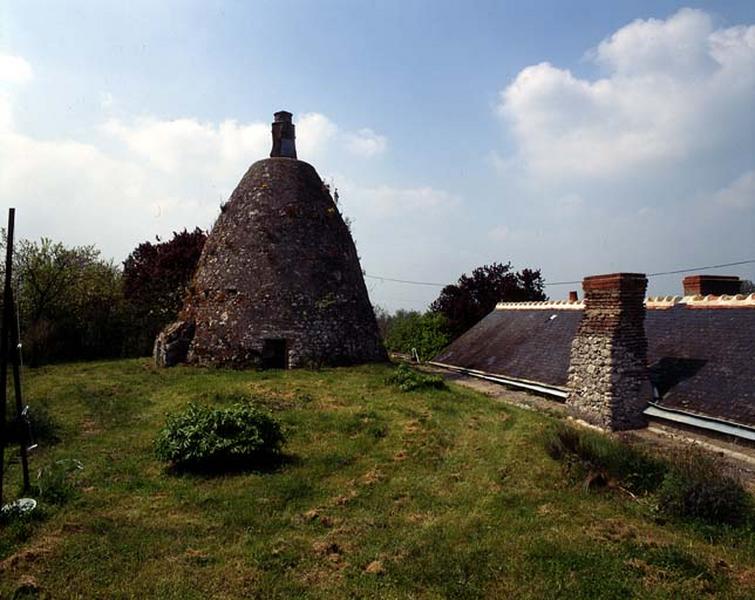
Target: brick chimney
{"points": [[573, 296], [284, 136], [608, 376], [703, 285]]}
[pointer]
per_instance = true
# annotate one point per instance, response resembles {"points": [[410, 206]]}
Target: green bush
{"points": [[700, 486], [600, 458], [203, 438], [409, 380]]}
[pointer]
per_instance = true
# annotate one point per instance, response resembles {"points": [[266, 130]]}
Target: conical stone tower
{"points": [[279, 283]]}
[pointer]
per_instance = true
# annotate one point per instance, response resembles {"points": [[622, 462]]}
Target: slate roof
{"points": [[525, 344], [701, 359]]}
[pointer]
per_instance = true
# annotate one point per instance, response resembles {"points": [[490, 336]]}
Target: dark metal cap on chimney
{"points": [[284, 135]]}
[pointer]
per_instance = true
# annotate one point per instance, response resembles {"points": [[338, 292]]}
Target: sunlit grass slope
{"points": [[384, 494]]}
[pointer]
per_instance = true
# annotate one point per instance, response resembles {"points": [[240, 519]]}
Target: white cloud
{"points": [[212, 150], [499, 233], [647, 166], [143, 176], [6, 112], [674, 89], [14, 69], [570, 202], [740, 193], [679, 45], [137, 177], [313, 132], [387, 202], [107, 100], [366, 142]]}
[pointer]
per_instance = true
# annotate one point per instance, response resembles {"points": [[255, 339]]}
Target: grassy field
{"points": [[438, 494]]}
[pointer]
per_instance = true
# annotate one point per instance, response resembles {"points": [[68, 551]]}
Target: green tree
{"points": [[411, 329], [69, 302], [155, 277], [474, 296]]}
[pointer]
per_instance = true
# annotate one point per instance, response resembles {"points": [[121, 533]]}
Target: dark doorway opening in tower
{"points": [[274, 354]]}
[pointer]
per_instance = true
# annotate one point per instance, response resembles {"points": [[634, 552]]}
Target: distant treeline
{"points": [[457, 308], [75, 305]]}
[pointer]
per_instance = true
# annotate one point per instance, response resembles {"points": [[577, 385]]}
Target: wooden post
{"points": [[15, 340], [4, 335]]}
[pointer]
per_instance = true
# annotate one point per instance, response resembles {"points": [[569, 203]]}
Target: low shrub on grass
{"points": [[215, 439], [691, 484], [700, 486], [409, 380], [56, 482], [602, 459]]}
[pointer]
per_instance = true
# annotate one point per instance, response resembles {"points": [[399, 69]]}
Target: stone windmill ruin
{"points": [[278, 284]]}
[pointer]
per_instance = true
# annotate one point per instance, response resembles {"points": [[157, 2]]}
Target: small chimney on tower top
{"points": [[284, 136], [573, 296]]}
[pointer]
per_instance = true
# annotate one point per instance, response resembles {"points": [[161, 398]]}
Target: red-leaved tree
{"points": [[155, 277]]}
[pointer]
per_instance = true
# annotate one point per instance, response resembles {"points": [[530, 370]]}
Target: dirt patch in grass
{"points": [[36, 552], [90, 427], [613, 530]]}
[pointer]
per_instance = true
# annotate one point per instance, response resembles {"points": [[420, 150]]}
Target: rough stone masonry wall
{"points": [[280, 264], [608, 376]]}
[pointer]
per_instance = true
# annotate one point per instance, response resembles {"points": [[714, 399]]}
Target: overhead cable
{"points": [[577, 282]]}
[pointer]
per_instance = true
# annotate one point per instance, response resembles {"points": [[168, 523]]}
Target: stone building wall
{"points": [[608, 376], [279, 273], [280, 264]]}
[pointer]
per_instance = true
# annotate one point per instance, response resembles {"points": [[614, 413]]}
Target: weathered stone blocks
{"points": [[279, 282], [172, 344], [608, 376]]}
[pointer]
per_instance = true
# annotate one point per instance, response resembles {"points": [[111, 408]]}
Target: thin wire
{"points": [[732, 264], [675, 272], [659, 273], [406, 281]]}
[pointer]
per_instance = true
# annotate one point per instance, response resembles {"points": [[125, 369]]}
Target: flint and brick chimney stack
{"points": [[284, 136], [703, 285], [608, 375]]}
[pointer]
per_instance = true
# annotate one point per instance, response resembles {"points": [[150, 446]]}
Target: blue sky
{"points": [[579, 137]]}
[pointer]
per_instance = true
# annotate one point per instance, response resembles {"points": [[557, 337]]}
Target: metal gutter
{"points": [[653, 410], [709, 423], [549, 390]]}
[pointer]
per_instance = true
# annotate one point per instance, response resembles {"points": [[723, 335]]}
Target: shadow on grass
{"points": [[264, 465]]}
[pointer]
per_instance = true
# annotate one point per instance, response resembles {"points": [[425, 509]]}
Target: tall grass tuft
{"points": [[689, 484], [56, 483], [699, 485], [604, 459]]}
